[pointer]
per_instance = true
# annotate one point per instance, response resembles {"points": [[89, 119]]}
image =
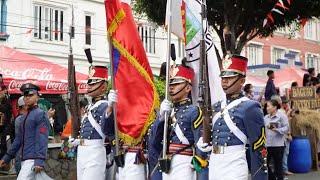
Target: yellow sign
{"points": [[305, 98], [307, 104], [303, 93]]}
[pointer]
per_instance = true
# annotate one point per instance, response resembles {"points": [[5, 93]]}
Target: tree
{"points": [[243, 19]]}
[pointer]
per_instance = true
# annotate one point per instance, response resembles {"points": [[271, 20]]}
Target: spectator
{"points": [[312, 72], [270, 87], [248, 91], [22, 110], [285, 107], [278, 91], [276, 128], [163, 68], [294, 84], [6, 127], [306, 80]]}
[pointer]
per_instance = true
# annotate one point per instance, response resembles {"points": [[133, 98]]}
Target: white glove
{"points": [[165, 107], [74, 142], [204, 147], [112, 97]]}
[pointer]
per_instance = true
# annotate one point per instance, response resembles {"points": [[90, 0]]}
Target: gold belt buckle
{"points": [[217, 150], [82, 142]]}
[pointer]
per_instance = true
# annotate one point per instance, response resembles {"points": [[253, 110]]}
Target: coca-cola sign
{"points": [[16, 84], [28, 73], [46, 87], [56, 86]]}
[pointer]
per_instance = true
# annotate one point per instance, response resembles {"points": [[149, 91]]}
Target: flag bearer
{"points": [[184, 132]]}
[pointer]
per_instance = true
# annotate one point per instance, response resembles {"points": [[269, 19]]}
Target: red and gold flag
{"points": [[137, 96]]}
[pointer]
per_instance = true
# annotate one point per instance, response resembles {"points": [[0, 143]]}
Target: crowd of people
{"points": [[278, 112]]}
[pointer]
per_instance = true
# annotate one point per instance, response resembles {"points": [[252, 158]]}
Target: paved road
{"points": [[315, 175]]}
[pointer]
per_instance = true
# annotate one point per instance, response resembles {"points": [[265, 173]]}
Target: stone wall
{"points": [[59, 169]]}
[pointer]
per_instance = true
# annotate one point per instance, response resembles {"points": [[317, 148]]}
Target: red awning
{"points": [[284, 77], [255, 81], [18, 68]]}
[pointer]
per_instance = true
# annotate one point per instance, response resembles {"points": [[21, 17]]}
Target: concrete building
{"points": [[286, 48], [41, 28]]}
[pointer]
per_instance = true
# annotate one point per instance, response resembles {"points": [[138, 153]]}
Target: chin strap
{"points": [[95, 88], [239, 77], [179, 90]]}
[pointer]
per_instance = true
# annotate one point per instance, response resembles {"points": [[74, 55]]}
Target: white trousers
{"points": [[132, 171], [91, 162], [181, 169], [229, 166], [27, 172]]}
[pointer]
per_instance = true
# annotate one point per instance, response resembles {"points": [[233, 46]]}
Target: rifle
{"points": [[204, 88], [73, 100]]}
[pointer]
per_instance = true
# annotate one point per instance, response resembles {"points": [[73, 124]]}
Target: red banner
{"points": [[133, 76]]}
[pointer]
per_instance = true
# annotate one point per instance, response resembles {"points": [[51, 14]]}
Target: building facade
{"points": [[286, 48], [41, 28]]}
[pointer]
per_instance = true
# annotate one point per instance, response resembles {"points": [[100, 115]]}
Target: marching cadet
{"points": [[236, 121], [97, 125], [32, 136], [186, 121]]}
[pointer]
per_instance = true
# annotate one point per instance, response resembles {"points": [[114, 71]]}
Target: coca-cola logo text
{"points": [[57, 86], [31, 73], [16, 84]]}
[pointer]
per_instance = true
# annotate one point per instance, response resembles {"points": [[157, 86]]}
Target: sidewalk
{"points": [[8, 177]]}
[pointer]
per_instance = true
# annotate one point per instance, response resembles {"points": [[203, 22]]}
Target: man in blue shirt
{"points": [[31, 138], [270, 87]]}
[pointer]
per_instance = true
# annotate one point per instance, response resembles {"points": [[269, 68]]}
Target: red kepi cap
{"points": [[233, 66], [181, 74], [97, 74]]}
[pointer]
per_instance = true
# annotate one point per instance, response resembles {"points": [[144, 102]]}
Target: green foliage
{"points": [[160, 86], [243, 17]]}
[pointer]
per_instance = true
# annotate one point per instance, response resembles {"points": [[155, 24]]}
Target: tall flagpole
{"points": [[119, 156], [164, 161]]}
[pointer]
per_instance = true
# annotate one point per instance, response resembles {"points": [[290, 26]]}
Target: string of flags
{"points": [[279, 8]]}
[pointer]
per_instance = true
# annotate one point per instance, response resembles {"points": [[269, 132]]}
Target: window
{"points": [[277, 53], [255, 56], [296, 55], [312, 61], [88, 30], [48, 23], [312, 30], [3, 20], [147, 35]]}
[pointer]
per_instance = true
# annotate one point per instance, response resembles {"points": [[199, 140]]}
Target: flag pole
{"points": [[119, 156], [164, 160]]}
